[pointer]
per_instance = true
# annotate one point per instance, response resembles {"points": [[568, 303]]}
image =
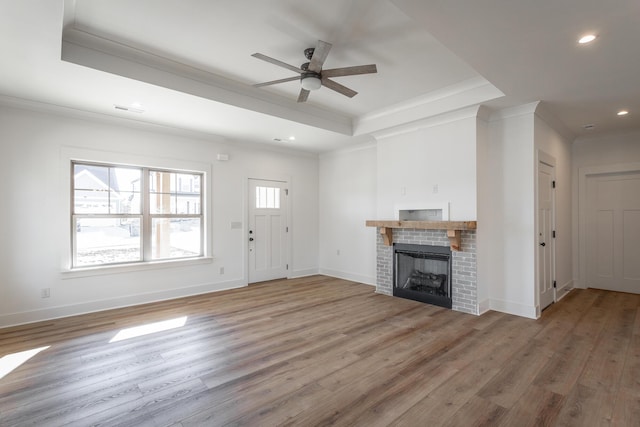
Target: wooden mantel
{"points": [[453, 228]]}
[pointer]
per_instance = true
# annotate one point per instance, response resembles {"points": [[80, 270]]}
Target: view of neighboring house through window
{"points": [[124, 214]]}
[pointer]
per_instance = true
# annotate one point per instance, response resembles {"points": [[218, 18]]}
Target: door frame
{"points": [[583, 174], [246, 212], [543, 157]]}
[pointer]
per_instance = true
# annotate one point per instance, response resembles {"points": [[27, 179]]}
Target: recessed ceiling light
{"points": [[292, 138], [136, 105], [587, 38], [623, 112]]}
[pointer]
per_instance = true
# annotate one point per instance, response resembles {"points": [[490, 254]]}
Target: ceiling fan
{"points": [[312, 76]]}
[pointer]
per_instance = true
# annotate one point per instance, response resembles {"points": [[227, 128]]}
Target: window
{"points": [[267, 198], [123, 214]]}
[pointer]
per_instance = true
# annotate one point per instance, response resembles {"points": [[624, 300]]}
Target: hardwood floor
{"points": [[324, 351]]}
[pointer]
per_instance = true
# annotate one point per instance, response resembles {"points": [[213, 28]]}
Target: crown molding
{"points": [[519, 110], [367, 145], [441, 119], [107, 119], [451, 98], [99, 53], [550, 119], [75, 113]]}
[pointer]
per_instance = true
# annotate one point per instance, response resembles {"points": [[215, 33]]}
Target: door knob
{"points": [[543, 244], [251, 239]]}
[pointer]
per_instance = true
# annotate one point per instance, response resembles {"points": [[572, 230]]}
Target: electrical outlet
{"points": [[45, 292], [435, 189], [221, 270]]}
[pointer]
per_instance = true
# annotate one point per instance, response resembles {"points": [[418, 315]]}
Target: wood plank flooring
{"points": [[324, 351]]}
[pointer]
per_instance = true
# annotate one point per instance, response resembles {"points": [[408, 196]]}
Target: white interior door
{"points": [[613, 232], [267, 230], [546, 241]]}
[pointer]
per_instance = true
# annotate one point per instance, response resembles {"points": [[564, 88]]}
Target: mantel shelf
{"points": [[453, 228]]}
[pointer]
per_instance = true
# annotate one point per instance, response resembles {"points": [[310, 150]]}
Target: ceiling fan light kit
{"points": [[310, 82], [312, 76]]}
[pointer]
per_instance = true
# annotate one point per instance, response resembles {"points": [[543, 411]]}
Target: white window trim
{"points": [[78, 154], [133, 267]]}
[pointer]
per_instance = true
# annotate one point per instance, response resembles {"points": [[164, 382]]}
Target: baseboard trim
{"points": [[484, 306], [514, 308], [25, 317], [563, 290], [367, 280], [303, 273]]}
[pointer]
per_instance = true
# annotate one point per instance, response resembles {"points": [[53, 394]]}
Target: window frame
{"points": [[145, 216]]}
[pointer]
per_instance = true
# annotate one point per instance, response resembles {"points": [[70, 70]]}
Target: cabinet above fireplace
{"points": [[453, 228]]}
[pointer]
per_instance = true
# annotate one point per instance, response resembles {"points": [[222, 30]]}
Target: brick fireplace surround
{"points": [[463, 264]]}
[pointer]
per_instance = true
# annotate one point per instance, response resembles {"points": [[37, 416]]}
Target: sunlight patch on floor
{"points": [[149, 328], [12, 361]]}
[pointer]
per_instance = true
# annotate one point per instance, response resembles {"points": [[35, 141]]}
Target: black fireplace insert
{"points": [[422, 273]]}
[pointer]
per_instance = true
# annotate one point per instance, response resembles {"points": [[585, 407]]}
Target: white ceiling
{"points": [[189, 62]]}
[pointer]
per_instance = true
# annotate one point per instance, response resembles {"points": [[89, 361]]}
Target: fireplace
{"points": [[464, 292], [422, 273]]}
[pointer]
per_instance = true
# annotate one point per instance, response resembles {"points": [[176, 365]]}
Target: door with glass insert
{"points": [[267, 232]]}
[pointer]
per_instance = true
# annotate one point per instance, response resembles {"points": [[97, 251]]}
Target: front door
{"points": [[267, 230], [546, 217], [613, 232]]}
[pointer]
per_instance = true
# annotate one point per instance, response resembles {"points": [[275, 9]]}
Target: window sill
{"points": [[129, 268]]}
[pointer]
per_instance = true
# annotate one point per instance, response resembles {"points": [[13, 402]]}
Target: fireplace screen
{"points": [[423, 273]]}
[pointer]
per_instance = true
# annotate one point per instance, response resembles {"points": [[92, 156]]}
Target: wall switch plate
{"points": [[45, 292]]}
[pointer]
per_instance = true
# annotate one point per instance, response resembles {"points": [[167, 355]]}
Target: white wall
{"points": [[438, 153], [347, 200], [485, 167], [35, 223], [558, 145], [367, 182], [485, 261], [509, 226], [485, 170], [605, 152]]}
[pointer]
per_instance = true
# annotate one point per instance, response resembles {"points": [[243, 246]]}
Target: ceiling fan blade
{"points": [[319, 56], [350, 71], [304, 94], [338, 87], [278, 63], [273, 82]]}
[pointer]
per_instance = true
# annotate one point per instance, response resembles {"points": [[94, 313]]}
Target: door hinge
{"points": [[286, 191], [554, 284], [553, 234], [553, 184], [287, 266], [287, 230]]}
